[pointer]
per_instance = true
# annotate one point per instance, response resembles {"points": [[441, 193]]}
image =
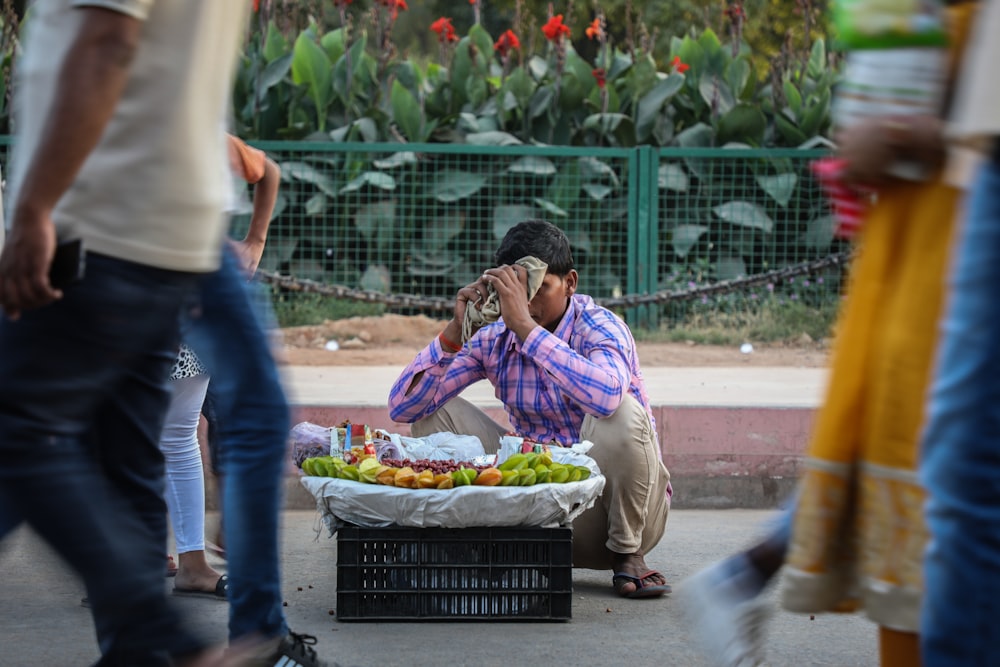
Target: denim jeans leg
{"points": [[960, 462], [82, 387], [230, 339]]}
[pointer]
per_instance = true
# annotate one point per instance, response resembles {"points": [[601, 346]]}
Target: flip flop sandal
{"points": [[220, 593], [642, 590]]}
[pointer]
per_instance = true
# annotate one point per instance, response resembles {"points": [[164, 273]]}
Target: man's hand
{"points": [[511, 284], [24, 264], [248, 254]]}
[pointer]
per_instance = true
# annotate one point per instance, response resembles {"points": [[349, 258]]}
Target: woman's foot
{"points": [[195, 574]]}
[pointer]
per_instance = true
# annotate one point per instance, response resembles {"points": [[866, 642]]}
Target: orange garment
{"points": [[245, 160]]}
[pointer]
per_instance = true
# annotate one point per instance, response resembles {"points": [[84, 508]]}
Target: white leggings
{"points": [[185, 493]]}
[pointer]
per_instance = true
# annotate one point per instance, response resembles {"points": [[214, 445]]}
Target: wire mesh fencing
{"points": [[406, 225]]}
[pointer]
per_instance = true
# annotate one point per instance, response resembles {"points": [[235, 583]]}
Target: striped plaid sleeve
{"points": [[596, 380], [441, 378]]}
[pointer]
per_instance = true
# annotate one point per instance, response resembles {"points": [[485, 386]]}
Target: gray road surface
{"points": [[42, 623]]}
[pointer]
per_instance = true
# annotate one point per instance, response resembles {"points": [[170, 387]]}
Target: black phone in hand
{"points": [[68, 264]]}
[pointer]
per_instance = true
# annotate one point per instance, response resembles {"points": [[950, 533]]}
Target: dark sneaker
{"points": [[293, 650]]}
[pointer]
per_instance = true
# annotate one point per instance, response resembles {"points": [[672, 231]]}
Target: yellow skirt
{"points": [[858, 535]]}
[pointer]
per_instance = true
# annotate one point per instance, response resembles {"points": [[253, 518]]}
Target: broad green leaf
{"points": [[476, 91], [620, 64], [780, 187], [794, 98], [520, 85], [616, 126], [671, 176], [273, 74], [396, 160], [716, 92], [376, 278], [333, 43], [377, 220], [551, 208], [300, 171], [406, 112], [484, 45], [539, 67], [597, 191], [311, 67], [418, 265], [651, 104], [454, 185], [819, 232], [275, 45], [564, 191], [693, 55], [737, 76], [492, 139], [541, 101], [697, 136], [727, 268], [685, 237], [817, 60], [376, 179], [534, 165], [467, 122], [316, 204], [745, 214], [791, 134], [715, 57], [439, 230], [506, 216], [745, 123], [592, 169]]}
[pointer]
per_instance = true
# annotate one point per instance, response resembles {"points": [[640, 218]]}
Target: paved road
{"points": [[42, 624]]}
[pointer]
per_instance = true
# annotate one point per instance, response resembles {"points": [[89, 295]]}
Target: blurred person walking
{"points": [[854, 536], [960, 464], [103, 86]]}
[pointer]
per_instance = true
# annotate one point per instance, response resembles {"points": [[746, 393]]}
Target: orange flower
{"points": [[507, 42], [445, 30], [601, 76], [595, 30], [555, 28], [678, 66], [401, 5]]}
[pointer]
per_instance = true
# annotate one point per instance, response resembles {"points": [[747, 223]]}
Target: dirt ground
{"points": [[393, 340]]}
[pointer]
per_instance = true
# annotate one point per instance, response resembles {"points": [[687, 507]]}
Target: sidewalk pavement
{"points": [[731, 437], [43, 625]]}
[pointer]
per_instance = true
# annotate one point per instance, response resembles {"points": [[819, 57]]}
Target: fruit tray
{"points": [[374, 505], [486, 573]]}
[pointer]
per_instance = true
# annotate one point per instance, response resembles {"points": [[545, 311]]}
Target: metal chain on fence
{"points": [[437, 304]]}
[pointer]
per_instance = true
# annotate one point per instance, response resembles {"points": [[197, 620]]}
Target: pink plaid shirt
{"points": [[547, 384]]}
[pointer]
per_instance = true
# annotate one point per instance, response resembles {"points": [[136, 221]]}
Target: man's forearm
{"points": [[92, 78]]}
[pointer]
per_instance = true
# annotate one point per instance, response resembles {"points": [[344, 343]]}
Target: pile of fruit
{"points": [[518, 470]]}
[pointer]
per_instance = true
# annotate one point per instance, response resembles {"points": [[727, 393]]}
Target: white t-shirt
{"points": [[154, 189]]}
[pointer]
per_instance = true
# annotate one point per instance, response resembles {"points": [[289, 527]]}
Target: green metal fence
{"points": [[425, 219]]}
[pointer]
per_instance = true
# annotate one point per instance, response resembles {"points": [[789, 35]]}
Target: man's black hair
{"points": [[538, 238]]}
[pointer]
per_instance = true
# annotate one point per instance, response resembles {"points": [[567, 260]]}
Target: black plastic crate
{"points": [[407, 574]]}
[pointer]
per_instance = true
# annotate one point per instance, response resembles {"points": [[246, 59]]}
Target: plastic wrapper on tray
{"points": [[375, 506]]}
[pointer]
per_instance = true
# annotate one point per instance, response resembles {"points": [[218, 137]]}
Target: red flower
{"points": [[555, 28], [401, 5], [678, 66], [507, 42], [256, 5], [445, 30], [601, 76], [595, 30]]}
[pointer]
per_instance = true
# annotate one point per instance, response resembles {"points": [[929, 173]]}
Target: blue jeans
{"points": [[960, 463], [229, 337], [83, 392]]}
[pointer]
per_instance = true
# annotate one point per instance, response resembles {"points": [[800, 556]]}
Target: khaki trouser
{"points": [[631, 514]]}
